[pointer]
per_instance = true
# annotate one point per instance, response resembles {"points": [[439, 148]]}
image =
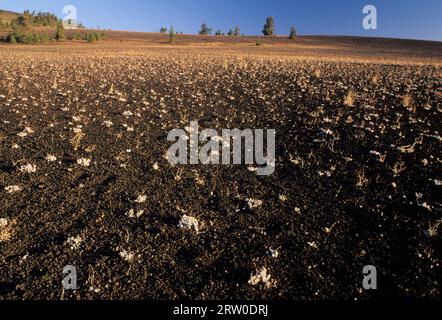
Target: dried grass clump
{"points": [[6, 230], [375, 78], [262, 277], [317, 73], [362, 180], [350, 98], [407, 101], [76, 140]]}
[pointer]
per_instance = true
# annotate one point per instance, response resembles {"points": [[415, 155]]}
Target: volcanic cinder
{"points": [[84, 179]]}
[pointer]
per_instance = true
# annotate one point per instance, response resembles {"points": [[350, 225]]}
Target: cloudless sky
{"points": [[412, 19]]}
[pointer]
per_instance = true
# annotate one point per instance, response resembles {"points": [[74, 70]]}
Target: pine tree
{"points": [[269, 27], [205, 30], [292, 33], [172, 35]]}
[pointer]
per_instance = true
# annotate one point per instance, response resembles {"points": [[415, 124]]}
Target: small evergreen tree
{"points": [[230, 33], [90, 37], [205, 30], [269, 27], [172, 35], [237, 31], [292, 33]]}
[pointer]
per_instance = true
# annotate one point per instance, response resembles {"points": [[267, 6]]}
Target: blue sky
{"points": [[412, 19]]}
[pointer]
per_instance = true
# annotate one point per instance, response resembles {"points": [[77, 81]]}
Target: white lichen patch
{"points": [[189, 223], [141, 199], [3, 222], [51, 158], [74, 242], [313, 245], [84, 162], [25, 132], [12, 189], [28, 168], [108, 123], [156, 167], [263, 277], [127, 255], [254, 203]]}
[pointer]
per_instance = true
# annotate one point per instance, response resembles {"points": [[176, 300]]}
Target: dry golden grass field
{"points": [[84, 180]]}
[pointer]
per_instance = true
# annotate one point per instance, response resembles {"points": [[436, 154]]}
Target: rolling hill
{"points": [[7, 16]]}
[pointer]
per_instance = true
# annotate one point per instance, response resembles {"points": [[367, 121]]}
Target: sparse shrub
{"points": [[218, 33], [230, 33], [163, 30], [44, 38], [350, 99], [258, 43], [269, 27], [11, 38], [77, 36], [90, 37], [60, 33], [292, 33]]}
